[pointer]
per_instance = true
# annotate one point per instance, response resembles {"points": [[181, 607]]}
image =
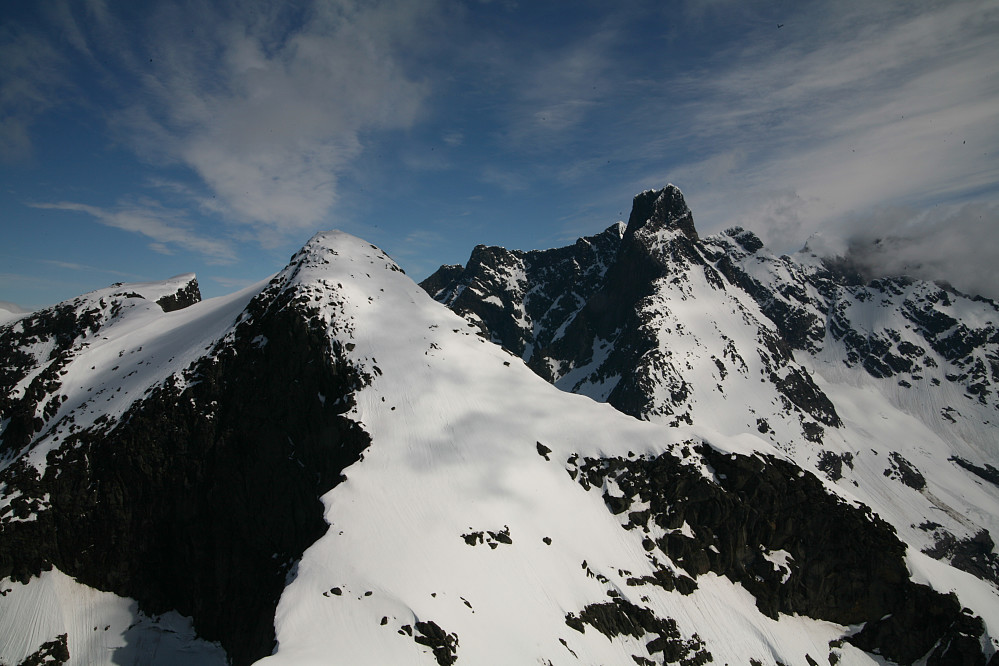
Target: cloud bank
{"points": [[957, 244]]}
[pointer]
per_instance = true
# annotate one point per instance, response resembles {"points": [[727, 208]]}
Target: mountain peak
{"points": [[187, 293], [661, 209]]}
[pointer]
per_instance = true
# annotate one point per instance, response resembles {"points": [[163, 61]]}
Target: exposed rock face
{"points": [[625, 339], [443, 644], [777, 532], [184, 297], [664, 209], [520, 299], [623, 618], [203, 496], [52, 652], [916, 333]]}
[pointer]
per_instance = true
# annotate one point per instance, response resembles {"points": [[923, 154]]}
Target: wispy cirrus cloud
{"points": [[31, 79], [267, 104], [75, 266], [841, 111], [166, 228]]}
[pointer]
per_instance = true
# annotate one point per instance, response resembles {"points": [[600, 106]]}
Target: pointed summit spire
{"points": [[661, 209]]}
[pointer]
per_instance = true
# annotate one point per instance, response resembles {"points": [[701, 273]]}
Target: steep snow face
{"points": [[933, 352], [884, 390], [483, 524]]}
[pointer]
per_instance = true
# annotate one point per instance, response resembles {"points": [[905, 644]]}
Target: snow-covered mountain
{"points": [[10, 312], [330, 467]]}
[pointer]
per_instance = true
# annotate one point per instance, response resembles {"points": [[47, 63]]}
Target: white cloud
{"points": [[165, 228], [268, 106], [843, 110], [454, 138], [266, 103], [958, 244]]}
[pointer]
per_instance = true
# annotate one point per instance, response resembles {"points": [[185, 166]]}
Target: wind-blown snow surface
{"points": [[9, 312], [98, 627]]}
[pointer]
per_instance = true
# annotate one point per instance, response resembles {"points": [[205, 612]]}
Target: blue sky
{"points": [[143, 140]]}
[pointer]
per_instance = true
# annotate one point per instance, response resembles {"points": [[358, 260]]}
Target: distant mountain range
{"points": [[644, 448]]}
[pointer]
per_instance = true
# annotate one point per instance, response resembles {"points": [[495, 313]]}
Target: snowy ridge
{"points": [[447, 462], [10, 311], [126, 345], [351, 464]]}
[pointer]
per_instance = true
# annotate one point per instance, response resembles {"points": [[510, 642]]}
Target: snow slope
{"points": [[94, 627], [458, 427], [494, 519], [10, 311]]}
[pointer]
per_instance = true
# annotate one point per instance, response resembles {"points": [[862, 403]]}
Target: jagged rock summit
{"points": [[330, 466], [663, 209], [628, 327]]}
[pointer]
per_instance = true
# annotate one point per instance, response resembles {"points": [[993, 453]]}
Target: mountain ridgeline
{"points": [[793, 466]]}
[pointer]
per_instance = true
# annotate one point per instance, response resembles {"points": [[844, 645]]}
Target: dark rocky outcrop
{"points": [[661, 209], [488, 537], [903, 471], [532, 293], [974, 554], [928, 624], [443, 644], [49, 653], [986, 472], [443, 279], [186, 296], [206, 492], [831, 464], [620, 617], [839, 562]]}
